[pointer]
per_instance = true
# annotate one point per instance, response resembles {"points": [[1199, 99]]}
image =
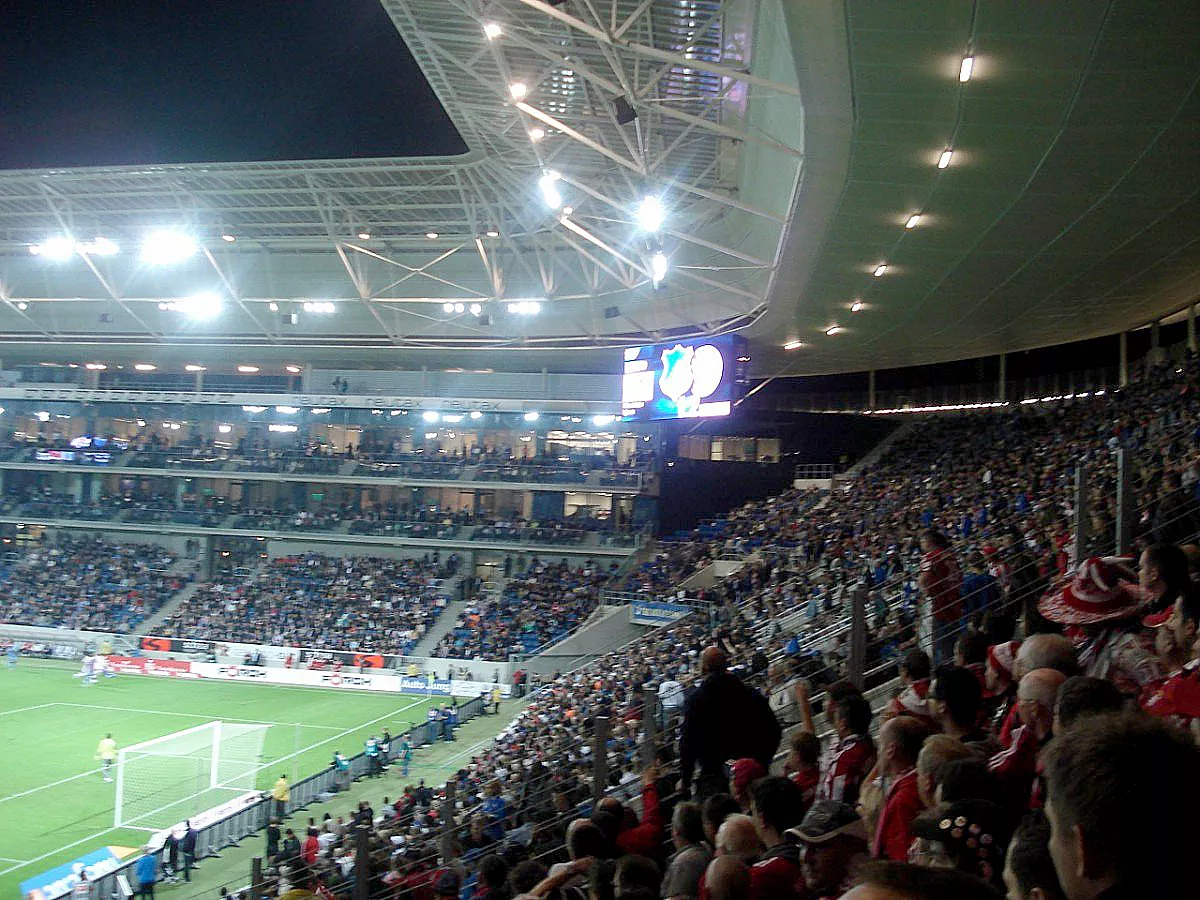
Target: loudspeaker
{"points": [[611, 312], [625, 112]]}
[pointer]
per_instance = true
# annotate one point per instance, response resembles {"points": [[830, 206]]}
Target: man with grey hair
{"points": [[685, 868], [1039, 651], [1016, 766]]}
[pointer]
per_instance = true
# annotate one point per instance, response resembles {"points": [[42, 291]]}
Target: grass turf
{"points": [[54, 803]]}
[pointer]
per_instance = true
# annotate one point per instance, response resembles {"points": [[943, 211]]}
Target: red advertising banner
{"points": [[140, 665]]}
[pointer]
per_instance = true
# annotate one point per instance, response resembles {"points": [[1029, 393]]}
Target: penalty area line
{"points": [[165, 712], [45, 787]]}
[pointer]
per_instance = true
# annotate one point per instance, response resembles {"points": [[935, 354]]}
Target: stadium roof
{"points": [[788, 142]]}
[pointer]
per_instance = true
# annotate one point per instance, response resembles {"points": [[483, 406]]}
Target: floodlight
{"points": [[199, 307], [145, 367], [913, 221], [476, 414], [793, 345], [518, 90], [248, 370], [192, 367], [549, 187], [430, 416], [530, 417], [879, 270], [492, 30], [944, 159], [164, 248], [58, 249], [659, 264], [651, 214], [966, 68]]}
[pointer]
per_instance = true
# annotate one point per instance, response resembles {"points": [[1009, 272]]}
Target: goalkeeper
{"points": [[106, 752]]}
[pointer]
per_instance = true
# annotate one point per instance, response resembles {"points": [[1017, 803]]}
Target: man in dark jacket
{"points": [[723, 719], [187, 846]]}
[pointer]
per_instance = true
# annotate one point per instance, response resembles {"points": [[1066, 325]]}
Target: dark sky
{"points": [[119, 82]]}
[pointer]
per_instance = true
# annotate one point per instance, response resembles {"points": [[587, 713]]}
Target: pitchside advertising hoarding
{"points": [[656, 612], [59, 881], [683, 379]]}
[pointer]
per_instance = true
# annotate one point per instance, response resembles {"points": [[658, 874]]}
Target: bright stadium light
{"points": [[248, 370], [602, 420], [944, 159], [536, 134], [430, 416], [966, 68], [492, 30], [165, 248], [880, 270], [659, 265], [144, 367], [793, 345], [58, 249], [322, 307], [525, 307], [476, 414], [476, 309], [100, 246], [95, 367], [518, 90], [193, 367], [448, 308], [199, 307], [287, 410], [913, 221], [548, 184], [651, 214], [530, 416], [224, 429]]}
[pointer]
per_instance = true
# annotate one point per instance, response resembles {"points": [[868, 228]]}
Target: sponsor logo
{"points": [[159, 645], [338, 679], [368, 660], [243, 672]]}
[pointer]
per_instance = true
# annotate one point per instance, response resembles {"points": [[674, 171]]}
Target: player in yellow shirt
{"points": [[106, 752]]}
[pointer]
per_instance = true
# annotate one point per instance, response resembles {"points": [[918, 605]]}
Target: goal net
{"points": [[166, 780]]}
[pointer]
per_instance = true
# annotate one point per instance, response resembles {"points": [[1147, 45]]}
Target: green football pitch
{"points": [[54, 803]]}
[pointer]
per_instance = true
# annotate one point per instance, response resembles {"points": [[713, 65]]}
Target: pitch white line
{"points": [[13, 712], [43, 787], [163, 712], [100, 834], [10, 859]]}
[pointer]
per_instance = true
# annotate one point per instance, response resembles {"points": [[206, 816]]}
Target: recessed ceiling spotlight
{"points": [[944, 159], [293, 369], [879, 270], [536, 134], [432, 235], [364, 235], [966, 68], [248, 370], [22, 305], [476, 309], [857, 306], [273, 306], [192, 367], [144, 367], [492, 30], [164, 248], [493, 232], [518, 90], [913, 221], [228, 238], [793, 345], [95, 367], [834, 329]]}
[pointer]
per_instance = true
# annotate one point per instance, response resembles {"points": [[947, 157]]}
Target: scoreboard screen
{"points": [[683, 379]]}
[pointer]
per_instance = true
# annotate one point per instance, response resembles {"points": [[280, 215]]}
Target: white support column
{"points": [[215, 763]]}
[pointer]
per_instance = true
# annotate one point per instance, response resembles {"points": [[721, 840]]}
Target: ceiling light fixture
{"points": [[95, 367], [857, 306], [364, 235], [248, 370], [518, 90], [165, 248], [430, 416], [530, 416], [22, 305], [324, 307], [834, 329], [287, 410], [476, 414], [793, 345], [659, 266], [224, 429], [192, 367], [198, 307], [292, 369], [273, 306], [944, 159], [536, 134], [492, 30], [966, 68], [254, 409], [651, 214], [493, 232], [476, 309], [879, 270], [144, 367], [432, 235], [525, 307], [58, 249], [228, 238], [548, 184], [913, 221]]}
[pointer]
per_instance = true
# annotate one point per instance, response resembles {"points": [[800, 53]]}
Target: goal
{"points": [[163, 781]]}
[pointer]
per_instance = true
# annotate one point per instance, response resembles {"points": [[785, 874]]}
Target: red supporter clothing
{"points": [[778, 875], [846, 765], [1176, 697], [645, 838], [1016, 768], [1011, 723], [808, 781], [893, 835], [912, 701], [311, 848], [942, 582]]}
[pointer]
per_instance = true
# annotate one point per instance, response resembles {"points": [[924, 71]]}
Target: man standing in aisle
{"points": [[406, 754], [941, 582], [106, 752], [187, 846]]}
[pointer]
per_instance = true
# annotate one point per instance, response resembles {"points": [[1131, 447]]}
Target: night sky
{"points": [[121, 82]]}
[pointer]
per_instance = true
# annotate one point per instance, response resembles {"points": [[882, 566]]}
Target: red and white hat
{"points": [[1095, 594], [1003, 657]]}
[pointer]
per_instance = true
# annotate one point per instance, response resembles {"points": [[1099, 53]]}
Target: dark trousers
{"points": [[189, 860], [145, 889]]}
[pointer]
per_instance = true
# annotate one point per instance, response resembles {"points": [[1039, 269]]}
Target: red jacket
{"points": [[645, 838], [848, 762], [941, 580], [310, 849], [893, 835], [778, 875]]}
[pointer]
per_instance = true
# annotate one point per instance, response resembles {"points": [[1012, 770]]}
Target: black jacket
{"points": [[726, 719]]}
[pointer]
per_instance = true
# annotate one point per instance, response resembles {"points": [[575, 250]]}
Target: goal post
{"points": [[163, 781]]}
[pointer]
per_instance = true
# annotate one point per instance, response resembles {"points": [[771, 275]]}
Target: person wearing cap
{"points": [[998, 681], [968, 835], [900, 742], [1175, 639], [1107, 608], [776, 804], [912, 700], [834, 841], [742, 773]]}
